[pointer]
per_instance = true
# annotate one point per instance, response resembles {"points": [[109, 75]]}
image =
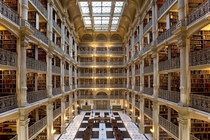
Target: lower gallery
{"points": [[114, 69]]}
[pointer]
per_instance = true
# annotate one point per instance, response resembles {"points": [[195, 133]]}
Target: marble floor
{"points": [[101, 131]]}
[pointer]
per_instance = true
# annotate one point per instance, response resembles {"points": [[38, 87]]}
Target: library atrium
{"points": [[105, 69]]}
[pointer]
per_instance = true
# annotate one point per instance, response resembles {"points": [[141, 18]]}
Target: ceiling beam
{"points": [[112, 14], [91, 14]]}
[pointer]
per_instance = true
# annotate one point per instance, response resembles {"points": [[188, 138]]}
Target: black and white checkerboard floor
{"points": [[102, 131]]}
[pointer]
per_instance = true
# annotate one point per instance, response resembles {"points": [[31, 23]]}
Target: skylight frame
{"points": [[101, 15]]}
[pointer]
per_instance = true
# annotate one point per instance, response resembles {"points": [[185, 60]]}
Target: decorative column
{"points": [[155, 119], [127, 76], [141, 75], [141, 123], [140, 35], [49, 73], [50, 19], [63, 123], [75, 76], [63, 34], [49, 120], [70, 76], [132, 45], [22, 125], [71, 43], [133, 107], [70, 108], [155, 74], [184, 124], [62, 75], [154, 20], [133, 75]]}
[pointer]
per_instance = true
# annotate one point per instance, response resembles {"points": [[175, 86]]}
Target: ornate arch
{"points": [[87, 38], [101, 38], [116, 38]]}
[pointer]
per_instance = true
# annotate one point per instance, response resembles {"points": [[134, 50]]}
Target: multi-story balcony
{"points": [[85, 52], [136, 39], [101, 52], [56, 91], [37, 4], [147, 27], [36, 64], [129, 86], [55, 25], [56, 69], [101, 74], [173, 96], [8, 58], [148, 112], [56, 112], [170, 64], [101, 97], [34, 96], [9, 13], [165, 7], [137, 88], [118, 74], [37, 126], [167, 34], [148, 91], [148, 69], [117, 86], [116, 63], [201, 57], [8, 103], [86, 63], [115, 52], [85, 86], [137, 71], [85, 74], [40, 36], [199, 12], [145, 49], [169, 126], [101, 63], [200, 102]]}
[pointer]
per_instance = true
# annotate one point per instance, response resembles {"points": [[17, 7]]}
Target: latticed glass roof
{"points": [[101, 15]]}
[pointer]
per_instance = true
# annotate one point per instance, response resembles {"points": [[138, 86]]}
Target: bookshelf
{"points": [[66, 81], [163, 81], [200, 82], [12, 4], [41, 81], [151, 81], [32, 18], [159, 3], [41, 54], [173, 18], [193, 4], [44, 3], [163, 111], [58, 81], [175, 81], [30, 52], [146, 81], [7, 82], [163, 54], [57, 125], [161, 27], [57, 61], [43, 28], [175, 51], [200, 129], [30, 82], [199, 41], [7, 41]]}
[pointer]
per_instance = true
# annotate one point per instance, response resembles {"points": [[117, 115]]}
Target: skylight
{"points": [[101, 15]]}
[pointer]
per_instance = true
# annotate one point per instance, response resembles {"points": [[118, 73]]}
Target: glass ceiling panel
{"points": [[98, 14]]}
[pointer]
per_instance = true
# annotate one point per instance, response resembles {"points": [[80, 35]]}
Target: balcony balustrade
{"points": [[148, 112], [117, 86], [101, 63], [40, 7], [58, 48], [200, 102], [165, 35], [148, 69], [56, 69], [199, 12], [101, 97], [130, 73], [39, 35], [148, 91], [85, 52], [146, 28], [35, 64], [129, 59], [192, 137], [86, 63], [164, 7], [55, 25], [14, 138], [116, 52], [56, 91], [116, 63], [130, 87], [146, 48], [86, 86], [170, 64], [118, 74], [56, 112], [101, 86], [101, 52], [73, 86], [9, 13], [67, 88], [8, 103], [169, 126], [201, 57], [137, 104], [136, 55], [66, 38], [8, 58], [130, 46], [137, 71], [130, 100], [101, 74], [66, 105], [136, 38], [66, 72], [137, 88], [85, 74], [34, 96], [37, 126], [173, 96]]}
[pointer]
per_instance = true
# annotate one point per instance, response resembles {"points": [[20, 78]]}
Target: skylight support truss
{"points": [[101, 15]]}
